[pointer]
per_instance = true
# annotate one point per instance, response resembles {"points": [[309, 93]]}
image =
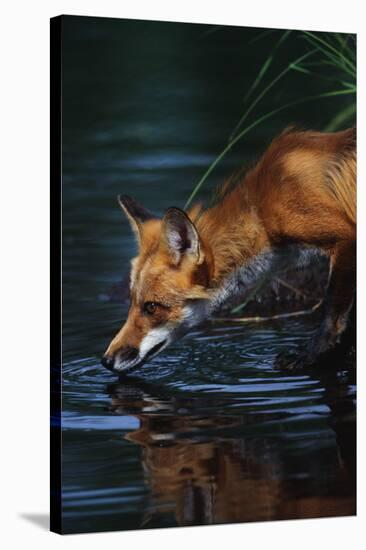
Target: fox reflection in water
{"points": [[226, 468]]}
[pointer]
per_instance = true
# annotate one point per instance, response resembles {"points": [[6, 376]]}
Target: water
{"points": [[209, 431]]}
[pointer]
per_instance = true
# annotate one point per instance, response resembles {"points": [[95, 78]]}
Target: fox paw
{"points": [[331, 358], [293, 361]]}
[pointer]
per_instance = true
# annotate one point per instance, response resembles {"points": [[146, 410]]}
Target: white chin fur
{"points": [[152, 339], [124, 366], [193, 314]]}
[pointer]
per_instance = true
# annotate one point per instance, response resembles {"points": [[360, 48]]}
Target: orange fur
{"points": [[302, 191]]}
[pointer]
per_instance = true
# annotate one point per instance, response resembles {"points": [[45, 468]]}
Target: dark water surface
{"points": [[210, 431]]}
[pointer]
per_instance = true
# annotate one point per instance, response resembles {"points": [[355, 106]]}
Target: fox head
{"points": [[169, 286]]}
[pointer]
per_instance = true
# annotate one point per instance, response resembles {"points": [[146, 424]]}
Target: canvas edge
{"points": [[55, 273]]}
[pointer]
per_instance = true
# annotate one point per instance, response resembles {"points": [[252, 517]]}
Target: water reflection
{"points": [[209, 432], [213, 469]]}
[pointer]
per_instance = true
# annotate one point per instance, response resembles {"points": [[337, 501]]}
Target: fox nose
{"points": [[107, 361]]}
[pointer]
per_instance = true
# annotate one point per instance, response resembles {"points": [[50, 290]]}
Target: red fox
{"points": [[300, 196]]}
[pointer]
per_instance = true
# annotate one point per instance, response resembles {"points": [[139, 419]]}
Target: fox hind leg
{"points": [[327, 343], [338, 299]]}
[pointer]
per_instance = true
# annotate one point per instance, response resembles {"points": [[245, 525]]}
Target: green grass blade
{"points": [[300, 69], [337, 53], [258, 121], [348, 85], [332, 59], [265, 66], [259, 77], [343, 42], [267, 89], [341, 117]]}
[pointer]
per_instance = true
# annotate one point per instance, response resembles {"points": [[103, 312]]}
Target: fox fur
{"points": [[300, 195]]}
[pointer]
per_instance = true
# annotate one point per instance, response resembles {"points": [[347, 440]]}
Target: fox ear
{"points": [[180, 236], [135, 213]]}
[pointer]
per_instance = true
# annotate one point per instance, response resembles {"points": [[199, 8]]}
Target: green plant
{"points": [[333, 54]]}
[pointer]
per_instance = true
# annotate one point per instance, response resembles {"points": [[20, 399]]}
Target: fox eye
{"points": [[149, 307]]}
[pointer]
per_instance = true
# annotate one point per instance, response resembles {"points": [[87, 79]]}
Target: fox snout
{"points": [[121, 357], [126, 356]]}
